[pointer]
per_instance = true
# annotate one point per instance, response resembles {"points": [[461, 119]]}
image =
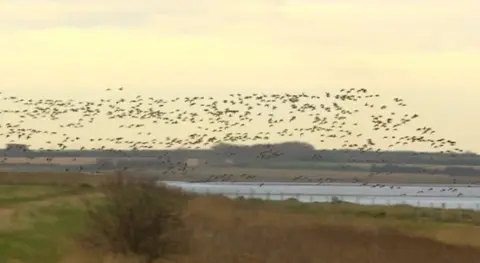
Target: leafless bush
{"points": [[136, 217]]}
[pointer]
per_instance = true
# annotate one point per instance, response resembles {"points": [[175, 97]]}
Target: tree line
{"points": [[287, 151]]}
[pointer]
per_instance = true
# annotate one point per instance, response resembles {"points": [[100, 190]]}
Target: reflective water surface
{"points": [[448, 196]]}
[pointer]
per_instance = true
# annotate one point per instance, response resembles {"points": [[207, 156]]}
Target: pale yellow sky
{"points": [[427, 52]]}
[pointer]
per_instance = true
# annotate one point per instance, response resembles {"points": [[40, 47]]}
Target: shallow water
{"points": [[447, 196]]}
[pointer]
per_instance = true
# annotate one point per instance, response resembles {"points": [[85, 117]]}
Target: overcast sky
{"points": [[427, 52]]}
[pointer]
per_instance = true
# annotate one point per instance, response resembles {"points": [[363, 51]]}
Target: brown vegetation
{"points": [[266, 174], [216, 229], [262, 174], [6, 217], [136, 217], [49, 178], [54, 161]]}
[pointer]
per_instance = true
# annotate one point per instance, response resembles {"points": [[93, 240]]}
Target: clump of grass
{"points": [[136, 218]]}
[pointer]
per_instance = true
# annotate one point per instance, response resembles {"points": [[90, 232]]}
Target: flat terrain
{"points": [[236, 175], [35, 221], [56, 160], [49, 178], [293, 164], [272, 175], [363, 165], [285, 171], [40, 223]]}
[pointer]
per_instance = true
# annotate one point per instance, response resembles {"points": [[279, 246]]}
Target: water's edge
{"points": [[440, 195]]}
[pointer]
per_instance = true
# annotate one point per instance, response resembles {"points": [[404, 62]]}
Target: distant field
{"points": [[56, 160], [263, 174], [317, 165], [272, 164], [234, 174], [51, 178], [37, 162], [359, 165]]}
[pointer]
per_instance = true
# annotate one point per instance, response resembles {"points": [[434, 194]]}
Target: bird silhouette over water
{"points": [[224, 123]]}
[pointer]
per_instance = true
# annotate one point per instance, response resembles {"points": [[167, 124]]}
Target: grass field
{"points": [[41, 223], [36, 220], [287, 164], [234, 174], [366, 166], [49, 178], [276, 172], [266, 174], [55, 160]]}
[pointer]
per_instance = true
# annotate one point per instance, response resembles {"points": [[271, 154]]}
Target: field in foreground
{"points": [[41, 223]]}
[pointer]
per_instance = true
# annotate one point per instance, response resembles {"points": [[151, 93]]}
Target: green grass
{"points": [[38, 231], [40, 242], [15, 194], [43, 239], [7, 191]]}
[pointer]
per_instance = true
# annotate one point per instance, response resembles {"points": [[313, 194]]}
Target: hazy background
{"points": [[426, 52]]}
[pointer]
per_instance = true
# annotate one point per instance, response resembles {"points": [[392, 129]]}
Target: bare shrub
{"points": [[136, 217]]}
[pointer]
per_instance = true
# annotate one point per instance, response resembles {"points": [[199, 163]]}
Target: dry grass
{"points": [[51, 178], [221, 230], [135, 217], [257, 236], [233, 231], [6, 217]]}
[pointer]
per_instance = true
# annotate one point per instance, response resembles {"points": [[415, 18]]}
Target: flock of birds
{"points": [[210, 121]]}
